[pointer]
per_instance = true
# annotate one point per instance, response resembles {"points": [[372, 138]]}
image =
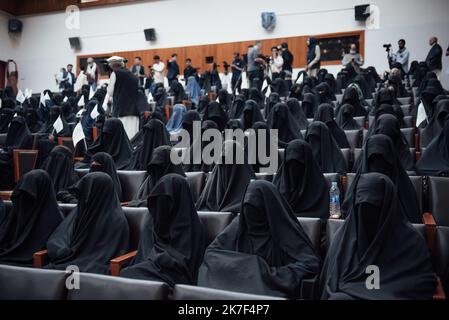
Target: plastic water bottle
{"points": [[334, 205]]}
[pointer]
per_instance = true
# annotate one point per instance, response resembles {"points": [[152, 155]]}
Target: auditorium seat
{"points": [[66, 208], [185, 292], [409, 134], [214, 223], [303, 133], [365, 135], [19, 283], [441, 256], [405, 101], [3, 139], [136, 218], [417, 182], [130, 182], [371, 120], [312, 227], [406, 109], [439, 199], [24, 161], [347, 154], [281, 155], [265, 176], [360, 121], [356, 154], [354, 138], [339, 98], [409, 122], [196, 182], [101, 287], [67, 142], [369, 101]]}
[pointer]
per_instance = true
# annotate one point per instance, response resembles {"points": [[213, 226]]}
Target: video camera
{"points": [[387, 47]]}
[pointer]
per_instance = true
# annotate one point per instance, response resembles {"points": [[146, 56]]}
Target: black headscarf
{"points": [[309, 105], [55, 113], [237, 107], [376, 233], [263, 251], [159, 166], [281, 119], [252, 145], [297, 173], [273, 99], [93, 233], [384, 96], [34, 216], [326, 114], [345, 118], [226, 184], [279, 86], [436, 123], [325, 150], [114, 140], [297, 112], [435, 159], [389, 125], [59, 166], [216, 113], [224, 99], [103, 162], [251, 114], [6, 115], [19, 136], [177, 90], [154, 135], [32, 119], [256, 95], [399, 88], [325, 94], [187, 122], [172, 245], [379, 155], [351, 96]]}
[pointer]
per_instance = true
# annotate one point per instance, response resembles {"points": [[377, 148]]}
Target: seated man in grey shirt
{"points": [[354, 58]]}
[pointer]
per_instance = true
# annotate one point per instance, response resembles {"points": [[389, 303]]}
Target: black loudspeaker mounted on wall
{"points": [[150, 34], [75, 43], [362, 12], [15, 26]]}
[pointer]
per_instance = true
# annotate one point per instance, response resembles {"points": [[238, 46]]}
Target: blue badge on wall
{"points": [[268, 20]]}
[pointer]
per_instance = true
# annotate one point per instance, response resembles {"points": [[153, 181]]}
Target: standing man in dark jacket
{"points": [[172, 69], [434, 59], [123, 87], [139, 70]]}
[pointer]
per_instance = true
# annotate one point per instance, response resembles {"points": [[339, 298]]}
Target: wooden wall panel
{"points": [[224, 51]]}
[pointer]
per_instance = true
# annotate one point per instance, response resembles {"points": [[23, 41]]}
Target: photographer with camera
{"points": [[354, 58], [276, 63], [256, 66], [402, 56]]}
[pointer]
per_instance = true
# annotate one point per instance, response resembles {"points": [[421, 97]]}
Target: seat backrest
{"points": [[347, 154], [3, 138], [303, 133], [281, 153], [408, 121], [81, 172], [185, 292], [409, 134], [439, 200], [24, 161], [66, 208], [17, 283], [214, 223], [418, 185], [404, 101], [264, 176], [360, 121], [312, 227], [441, 258], [130, 182], [365, 135], [66, 141], [356, 154], [101, 287], [354, 138], [196, 182], [405, 109], [136, 218], [371, 120]]}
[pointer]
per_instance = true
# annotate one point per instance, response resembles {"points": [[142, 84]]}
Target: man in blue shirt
{"points": [[402, 56], [237, 67]]}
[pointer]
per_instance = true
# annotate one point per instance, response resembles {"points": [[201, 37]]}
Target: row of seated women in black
{"points": [[263, 251]]}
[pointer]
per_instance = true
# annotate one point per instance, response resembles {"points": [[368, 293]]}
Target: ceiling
{"points": [[28, 7]]}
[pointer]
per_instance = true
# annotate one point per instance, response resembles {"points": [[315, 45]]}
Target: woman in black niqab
{"points": [[34, 216], [103, 162], [435, 159], [215, 113], [159, 166], [32, 119], [263, 251], [288, 128], [351, 96], [325, 94], [172, 245], [237, 107], [300, 181], [251, 114], [273, 99], [6, 115], [224, 99], [379, 155], [324, 148], [436, 123], [325, 114], [376, 232], [226, 183], [59, 166], [93, 233], [309, 105], [345, 118], [114, 140], [296, 111]]}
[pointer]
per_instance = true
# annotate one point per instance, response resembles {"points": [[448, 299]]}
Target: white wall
{"points": [[43, 46]]}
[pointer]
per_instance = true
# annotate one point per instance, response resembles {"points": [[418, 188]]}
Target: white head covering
{"points": [[116, 60]]}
